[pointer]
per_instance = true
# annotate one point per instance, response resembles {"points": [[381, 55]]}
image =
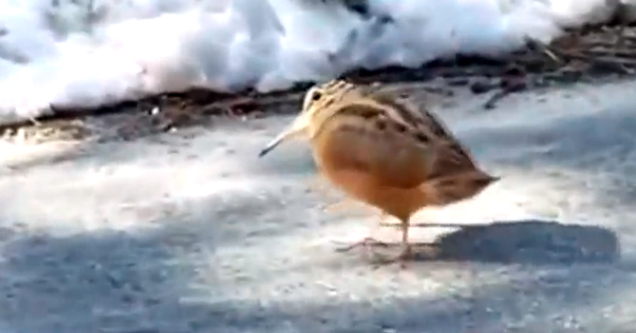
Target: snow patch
{"points": [[87, 53]]}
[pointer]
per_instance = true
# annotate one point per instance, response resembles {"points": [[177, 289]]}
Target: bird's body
{"points": [[385, 152]]}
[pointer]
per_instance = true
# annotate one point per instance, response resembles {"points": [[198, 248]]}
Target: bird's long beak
{"points": [[296, 129]]}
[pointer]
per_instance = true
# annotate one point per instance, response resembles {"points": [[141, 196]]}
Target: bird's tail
{"points": [[450, 189]]}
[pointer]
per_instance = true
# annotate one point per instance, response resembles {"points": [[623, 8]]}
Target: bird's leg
{"points": [[407, 251], [429, 250], [366, 242]]}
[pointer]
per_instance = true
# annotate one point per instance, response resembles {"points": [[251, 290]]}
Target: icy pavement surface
{"points": [[191, 232]]}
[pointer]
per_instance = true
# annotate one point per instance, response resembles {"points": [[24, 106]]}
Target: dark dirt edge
{"points": [[584, 55]]}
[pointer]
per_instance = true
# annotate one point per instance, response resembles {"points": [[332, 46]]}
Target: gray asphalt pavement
{"points": [[191, 232]]}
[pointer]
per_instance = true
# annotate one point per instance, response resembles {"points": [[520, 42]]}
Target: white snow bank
{"points": [[83, 53]]}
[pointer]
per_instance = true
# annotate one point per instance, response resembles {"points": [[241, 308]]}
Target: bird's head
{"points": [[315, 108]]}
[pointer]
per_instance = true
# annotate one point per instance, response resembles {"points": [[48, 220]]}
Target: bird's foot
{"points": [[405, 255], [367, 243]]}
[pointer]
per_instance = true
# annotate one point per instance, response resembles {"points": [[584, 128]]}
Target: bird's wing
{"points": [[450, 155], [388, 152]]}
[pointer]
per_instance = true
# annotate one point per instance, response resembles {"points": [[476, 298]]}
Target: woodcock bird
{"points": [[384, 152]]}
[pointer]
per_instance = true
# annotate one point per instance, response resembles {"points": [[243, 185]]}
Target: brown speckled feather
{"points": [[401, 135]]}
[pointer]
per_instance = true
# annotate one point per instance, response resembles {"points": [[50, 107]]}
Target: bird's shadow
{"points": [[522, 242]]}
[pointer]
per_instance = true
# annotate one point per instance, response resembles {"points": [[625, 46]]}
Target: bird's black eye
{"points": [[316, 96]]}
